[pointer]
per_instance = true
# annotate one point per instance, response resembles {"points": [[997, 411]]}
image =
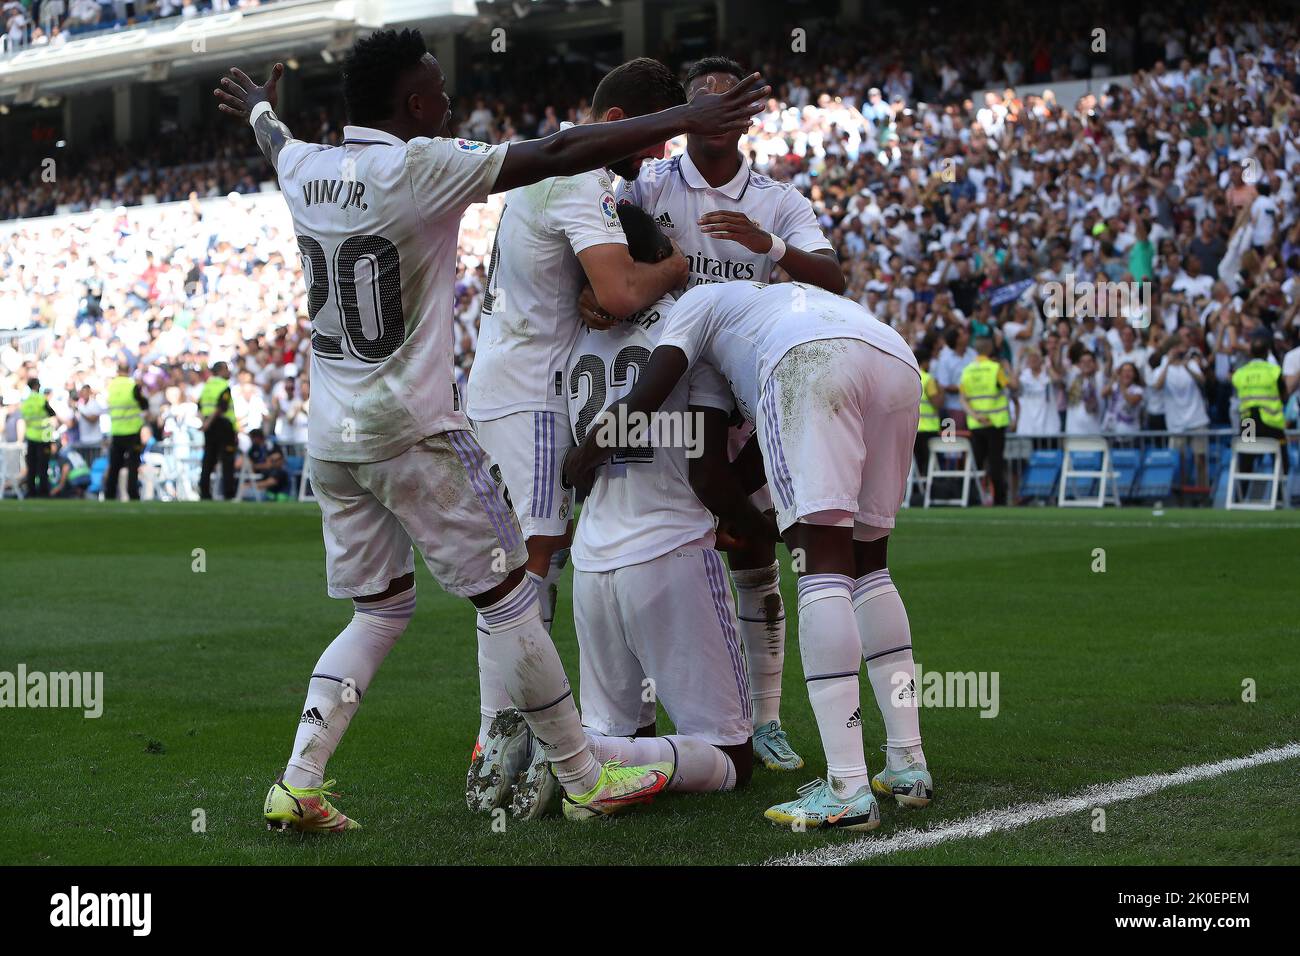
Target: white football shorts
{"points": [[530, 449], [836, 422], [443, 495], [664, 631]]}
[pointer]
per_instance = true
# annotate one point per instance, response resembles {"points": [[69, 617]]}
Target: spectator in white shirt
{"points": [[1084, 384]]}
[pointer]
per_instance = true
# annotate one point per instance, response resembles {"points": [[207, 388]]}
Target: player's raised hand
{"points": [[238, 94], [709, 114]]}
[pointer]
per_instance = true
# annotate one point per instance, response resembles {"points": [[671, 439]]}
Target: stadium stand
{"points": [[957, 187]]}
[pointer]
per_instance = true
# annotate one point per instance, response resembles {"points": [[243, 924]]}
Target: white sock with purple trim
{"points": [[522, 652], [492, 696], [340, 680], [886, 637], [699, 767], [832, 655]]}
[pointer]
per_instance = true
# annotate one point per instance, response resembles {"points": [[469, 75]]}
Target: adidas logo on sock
{"points": [[856, 719], [665, 220], [312, 716], [908, 692]]}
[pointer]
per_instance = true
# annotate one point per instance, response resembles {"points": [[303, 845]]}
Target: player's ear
{"points": [[614, 113]]}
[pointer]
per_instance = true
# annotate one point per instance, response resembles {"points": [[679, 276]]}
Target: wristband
{"points": [[777, 252], [257, 111]]}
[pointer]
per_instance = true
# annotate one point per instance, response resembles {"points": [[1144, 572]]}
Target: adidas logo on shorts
{"points": [[856, 719], [312, 716]]}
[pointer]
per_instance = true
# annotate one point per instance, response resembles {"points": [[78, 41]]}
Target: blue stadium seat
{"points": [[1159, 469], [1040, 477], [97, 469], [293, 464], [1125, 462]]}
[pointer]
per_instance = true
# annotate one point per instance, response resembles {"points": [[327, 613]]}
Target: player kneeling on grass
{"points": [[654, 613], [835, 396]]}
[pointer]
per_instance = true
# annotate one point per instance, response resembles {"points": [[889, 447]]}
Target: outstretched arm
{"points": [[239, 95], [666, 367], [580, 148]]}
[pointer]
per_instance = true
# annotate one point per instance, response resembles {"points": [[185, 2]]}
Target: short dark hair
{"points": [[714, 64], [645, 240], [372, 69], [638, 87]]}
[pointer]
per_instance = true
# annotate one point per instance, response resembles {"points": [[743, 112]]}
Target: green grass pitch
{"points": [[1103, 676]]}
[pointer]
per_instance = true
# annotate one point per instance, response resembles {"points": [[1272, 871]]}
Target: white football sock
{"points": [[762, 629], [492, 696], [522, 652], [340, 680], [832, 656], [886, 639], [699, 767]]}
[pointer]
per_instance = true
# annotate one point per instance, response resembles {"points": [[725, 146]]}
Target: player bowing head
{"points": [[731, 222], [635, 88], [784, 349], [651, 604]]}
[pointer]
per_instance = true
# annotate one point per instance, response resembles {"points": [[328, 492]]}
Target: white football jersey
{"points": [[376, 220], [641, 505], [744, 328], [530, 318], [676, 195]]}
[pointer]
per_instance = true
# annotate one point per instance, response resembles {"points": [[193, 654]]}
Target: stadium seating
{"points": [[1039, 481], [1159, 470], [1125, 463]]}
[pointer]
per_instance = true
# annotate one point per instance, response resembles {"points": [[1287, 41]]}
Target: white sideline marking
{"points": [[1011, 818]]}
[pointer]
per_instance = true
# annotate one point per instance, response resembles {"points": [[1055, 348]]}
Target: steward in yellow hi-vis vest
{"points": [[220, 439], [39, 420], [1261, 394], [126, 408], [931, 421], [985, 395]]}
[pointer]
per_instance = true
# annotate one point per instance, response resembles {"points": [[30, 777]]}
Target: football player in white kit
{"points": [[835, 395], [734, 223], [655, 618], [392, 458], [552, 236]]}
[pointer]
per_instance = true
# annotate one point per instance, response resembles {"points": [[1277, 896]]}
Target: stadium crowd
{"points": [[1122, 250], [53, 22]]}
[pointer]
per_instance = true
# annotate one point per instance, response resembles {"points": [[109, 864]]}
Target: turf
{"points": [[1102, 676]]}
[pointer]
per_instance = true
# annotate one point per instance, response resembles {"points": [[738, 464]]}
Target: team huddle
{"points": [[622, 288]]}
